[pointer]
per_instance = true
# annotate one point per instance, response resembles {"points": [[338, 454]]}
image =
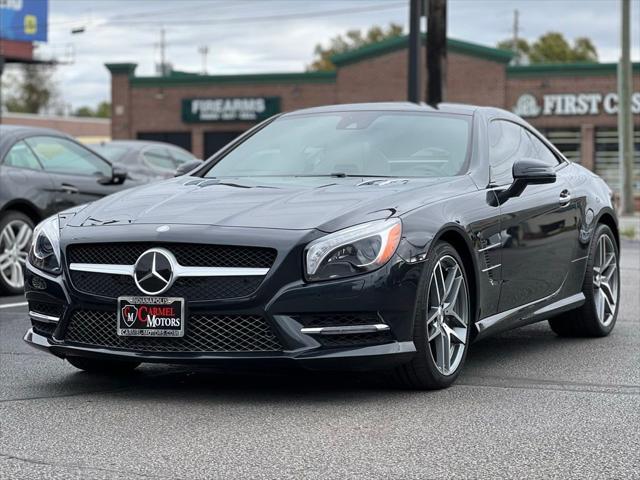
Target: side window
{"points": [[159, 158], [543, 153], [180, 156], [21, 156], [507, 143], [60, 155]]}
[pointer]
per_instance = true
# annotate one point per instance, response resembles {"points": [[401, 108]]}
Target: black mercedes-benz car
{"points": [[43, 171], [372, 236]]}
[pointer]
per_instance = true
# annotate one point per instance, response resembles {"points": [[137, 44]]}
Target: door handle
{"points": [[565, 198], [66, 188]]}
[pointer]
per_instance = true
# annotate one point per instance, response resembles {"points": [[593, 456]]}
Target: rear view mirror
{"points": [[187, 167], [118, 176]]}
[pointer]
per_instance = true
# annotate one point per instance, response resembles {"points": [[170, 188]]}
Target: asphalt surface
{"points": [[528, 405]]}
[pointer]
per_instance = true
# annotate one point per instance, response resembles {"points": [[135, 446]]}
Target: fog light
{"points": [[38, 283]]}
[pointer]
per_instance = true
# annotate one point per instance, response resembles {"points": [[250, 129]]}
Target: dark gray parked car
{"points": [[144, 160], [43, 171]]}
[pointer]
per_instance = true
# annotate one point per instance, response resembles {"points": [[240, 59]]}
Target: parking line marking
{"points": [[11, 305]]}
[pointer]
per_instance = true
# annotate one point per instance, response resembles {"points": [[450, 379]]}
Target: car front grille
{"points": [[45, 308], [45, 329], [354, 339], [191, 288], [203, 333], [187, 254]]}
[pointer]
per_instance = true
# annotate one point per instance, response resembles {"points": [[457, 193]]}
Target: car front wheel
{"points": [[442, 323]]}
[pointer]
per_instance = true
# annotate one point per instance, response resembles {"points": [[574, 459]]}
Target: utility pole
{"points": [[162, 53], [625, 125], [436, 51], [204, 51], [415, 68], [516, 49]]}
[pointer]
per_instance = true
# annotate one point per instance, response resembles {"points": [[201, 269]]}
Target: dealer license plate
{"points": [[151, 316]]}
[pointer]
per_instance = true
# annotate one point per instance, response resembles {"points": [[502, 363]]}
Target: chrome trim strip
{"points": [[102, 268], [495, 245], [42, 317], [219, 271], [179, 271], [578, 259], [380, 327], [491, 268]]}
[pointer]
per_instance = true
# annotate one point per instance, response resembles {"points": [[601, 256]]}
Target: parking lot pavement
{"points": [[527, 405]]}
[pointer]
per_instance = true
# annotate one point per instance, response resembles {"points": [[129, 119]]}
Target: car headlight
{"points": [[45, 246], [354, 250]]}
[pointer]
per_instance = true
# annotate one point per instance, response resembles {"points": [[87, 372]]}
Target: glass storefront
{"points": [[607, 161]]}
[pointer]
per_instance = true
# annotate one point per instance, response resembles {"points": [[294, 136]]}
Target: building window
{"points": [[181, 139], [607, 163], [567, 140]]}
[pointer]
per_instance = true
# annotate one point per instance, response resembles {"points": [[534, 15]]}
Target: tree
{"points": [[521, 52], [552, 47], [103, 110], [351, 40], [31, 89], [84, 112]]}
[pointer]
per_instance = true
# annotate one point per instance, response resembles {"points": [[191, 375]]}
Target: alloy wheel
{"points": [[448, 315], [15, 239], [605, 280]]}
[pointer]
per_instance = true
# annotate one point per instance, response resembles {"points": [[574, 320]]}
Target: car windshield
{"points": [[109, 151], [363, 143]]}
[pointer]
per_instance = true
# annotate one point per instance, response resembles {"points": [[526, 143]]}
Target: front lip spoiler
{"points": [[355, 358]]}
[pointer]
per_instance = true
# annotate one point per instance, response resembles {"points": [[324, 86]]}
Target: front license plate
{"points": [[150, 317]]}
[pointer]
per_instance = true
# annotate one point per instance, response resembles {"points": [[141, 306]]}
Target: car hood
{"points": [[297, 203]]}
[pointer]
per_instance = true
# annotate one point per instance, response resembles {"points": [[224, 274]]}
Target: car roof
{"points": [[22, 129], [134, 143], [454, 108]]}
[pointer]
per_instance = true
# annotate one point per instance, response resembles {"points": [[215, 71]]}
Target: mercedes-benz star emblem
{"points": [[153, 272]]}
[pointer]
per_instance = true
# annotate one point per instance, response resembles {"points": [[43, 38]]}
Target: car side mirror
{"points": [[527, 171], [118, 176], [187, 167], [532, 171]]}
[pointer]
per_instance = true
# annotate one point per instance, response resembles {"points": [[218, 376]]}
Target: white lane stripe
{"points": [[11, 305]]}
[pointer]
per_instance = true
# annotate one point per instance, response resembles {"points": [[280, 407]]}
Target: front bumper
{"points": [[351, 359], [282, 300]]}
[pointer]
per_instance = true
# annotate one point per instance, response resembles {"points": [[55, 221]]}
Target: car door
{"points": [[23, 177], [539, 227], [78, 175], [160, 161]]}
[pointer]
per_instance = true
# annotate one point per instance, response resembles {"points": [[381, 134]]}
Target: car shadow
{"points": [[195, 383]]}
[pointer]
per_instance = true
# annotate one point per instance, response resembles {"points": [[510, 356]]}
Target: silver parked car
{"points": [[144, 160]]}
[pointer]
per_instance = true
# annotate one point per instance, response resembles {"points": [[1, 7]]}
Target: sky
{"points": [[241, 40]]}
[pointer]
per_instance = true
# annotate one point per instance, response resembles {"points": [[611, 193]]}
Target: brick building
{"points": [[575, 105]]}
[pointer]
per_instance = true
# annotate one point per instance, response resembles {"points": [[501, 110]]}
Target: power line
{"points": [[265, 18], [123, 19]]}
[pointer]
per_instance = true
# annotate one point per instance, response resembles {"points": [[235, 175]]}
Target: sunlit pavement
{"points": [[527, 405]]}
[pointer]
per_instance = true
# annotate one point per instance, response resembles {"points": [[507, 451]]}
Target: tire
{"points": [[13, 228], [595, 318], [104, 367], [426, 371]]}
